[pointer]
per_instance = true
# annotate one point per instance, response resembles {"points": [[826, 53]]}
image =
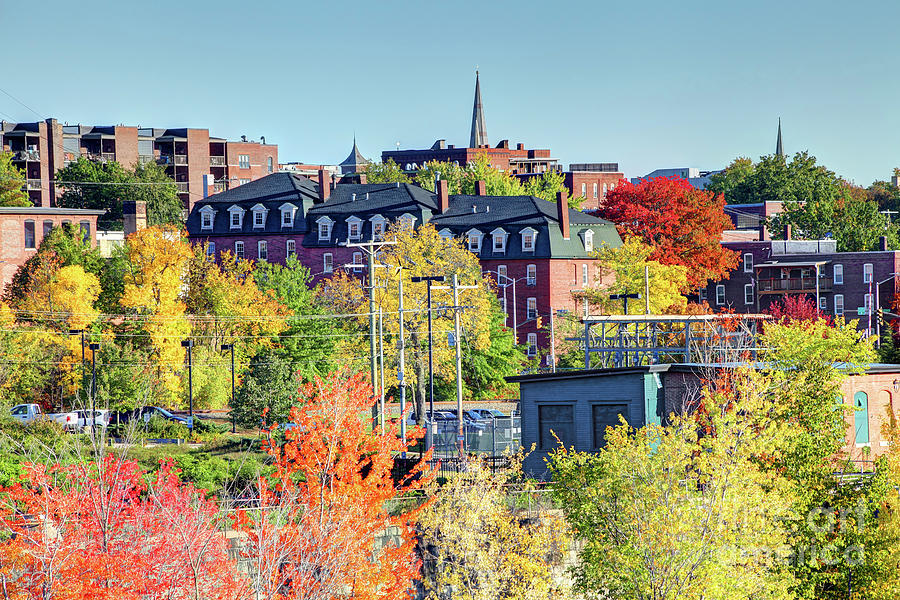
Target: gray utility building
{"points": [[578, 406]]}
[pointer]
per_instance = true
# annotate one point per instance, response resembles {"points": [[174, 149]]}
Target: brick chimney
{"points": [[135, 215], [562, 209], [324, 185], [443, 194], [480, 188], [787, 231], [363, 178], [883, 243]]}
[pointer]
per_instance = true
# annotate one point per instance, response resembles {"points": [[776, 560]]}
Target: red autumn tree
{"points": [[99, 531], [325, 529], [796, 308], [684, 225]]}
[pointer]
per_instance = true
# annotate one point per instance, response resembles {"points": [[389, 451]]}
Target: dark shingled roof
{"points": [[285, 187], [371, 198]]}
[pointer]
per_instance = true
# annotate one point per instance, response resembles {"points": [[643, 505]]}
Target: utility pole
{"points": [[231, 347], [76, 332], [371, 249], [552, 340], [381, 364], [646, 290], [94, 346], [189, 344], [625, 298], [401, 348], [429, 438], [460, 429]]}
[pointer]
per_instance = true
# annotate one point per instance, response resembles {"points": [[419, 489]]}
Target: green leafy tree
{"points": [[485, 369], [386, 172], [548, 185], [885, 194], [268, 391], [12, 182], [728, 181], [105, 185]]}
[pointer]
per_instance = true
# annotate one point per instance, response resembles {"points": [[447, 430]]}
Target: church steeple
{"points": [[779, 147], [478, 136]]}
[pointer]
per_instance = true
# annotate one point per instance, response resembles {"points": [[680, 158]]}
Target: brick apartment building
{"points": [[42, 148], [591, 181], [23, 229], [537, 251], [849, 284]]}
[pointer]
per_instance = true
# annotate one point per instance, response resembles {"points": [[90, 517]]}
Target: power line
{"points": [[22, 103]]}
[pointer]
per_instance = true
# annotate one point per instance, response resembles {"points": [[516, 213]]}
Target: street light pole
{"points": [[231, 347], [189, 344], [428, 281], [401, 347], [76, 332], [94, 346]]}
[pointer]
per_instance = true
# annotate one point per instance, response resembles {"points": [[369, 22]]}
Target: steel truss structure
{"points": [[633, 340]]}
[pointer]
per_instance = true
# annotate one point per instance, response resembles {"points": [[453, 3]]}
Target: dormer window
{"points": [[588, 238], [236, 218], [287, 214], [499, 237], [407, 220], [377, 227], [529, 236], [207, 214], [259, 216], [446, 234], [474, 239], [324, 228], [354, 229]]}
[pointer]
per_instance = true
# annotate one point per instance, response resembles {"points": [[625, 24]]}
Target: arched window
{"points": [[861, 417]]}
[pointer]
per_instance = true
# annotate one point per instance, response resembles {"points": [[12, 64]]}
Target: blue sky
{"points": [[648, 84]]}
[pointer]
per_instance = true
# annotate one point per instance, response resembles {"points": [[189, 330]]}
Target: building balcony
{"points": [[32, 184], [217, 161], [799, 285], [26, 155], [102, 157], [145, 158], [181, 159], [182, 187], [218, 187]]}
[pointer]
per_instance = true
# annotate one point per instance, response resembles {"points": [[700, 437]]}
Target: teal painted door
{"points": [[861, 417]]}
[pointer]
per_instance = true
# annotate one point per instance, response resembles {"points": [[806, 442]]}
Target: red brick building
{"points": [[539, 252], [591, 181], [44, 147], [23, 229]]}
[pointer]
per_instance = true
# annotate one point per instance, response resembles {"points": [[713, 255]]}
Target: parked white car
{"points": [[69, 420], [26, 413], [101, 418]]}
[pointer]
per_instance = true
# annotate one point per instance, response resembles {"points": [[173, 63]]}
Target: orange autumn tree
{"points": [[103, 531], [682, 224], [325, 530]]}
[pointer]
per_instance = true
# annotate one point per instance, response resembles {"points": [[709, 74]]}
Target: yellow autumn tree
{"points": [[157, 265], [421, 252], [486, 534]]}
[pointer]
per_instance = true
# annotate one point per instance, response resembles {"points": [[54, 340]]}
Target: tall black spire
{"points": [[779, 147], [478, 136]]}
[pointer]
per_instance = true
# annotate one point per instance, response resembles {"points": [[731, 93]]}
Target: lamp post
{"points": [[77, 332], [231, 347], [189, 344], [625, 298], [429, 438], [94, 346]]}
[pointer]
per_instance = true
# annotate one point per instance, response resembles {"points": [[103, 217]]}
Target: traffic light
{"points": [[539, 321]]}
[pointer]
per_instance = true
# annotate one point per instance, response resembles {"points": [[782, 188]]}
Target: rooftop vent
{"points": [[474, 209], [353, 198]]}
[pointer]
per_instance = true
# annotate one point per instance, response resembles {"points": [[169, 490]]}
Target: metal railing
{"points": [[27, 155], [145, 158], [181, 159], [32, 184], [795, 284], [492, 437], [182, 186], [217, 161]]}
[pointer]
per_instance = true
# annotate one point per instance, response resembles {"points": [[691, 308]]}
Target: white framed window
{"points": [[354, 229], [378, 230], [823, 303], [748, 293], [327, 263], [595, 190], [584, 306], [446, 234], [867, 273], [244, 161], [236, 218], [532, 345], [259, 219], [357, 261], [529, 236], [531, 275], [589, 240], [748, 262], [838, 272], [262, 250], [720, 294], [584, 276], [407, 220], [531, 308], [270, 164], [243, 181], [839, 305], [499, 237], [206, 219], [239, 249], [287, 214], [501, 275], [290, 248], [584, 190], [324, 228], [604, 190], [211, 250], [474, 238], [702, 294]]}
